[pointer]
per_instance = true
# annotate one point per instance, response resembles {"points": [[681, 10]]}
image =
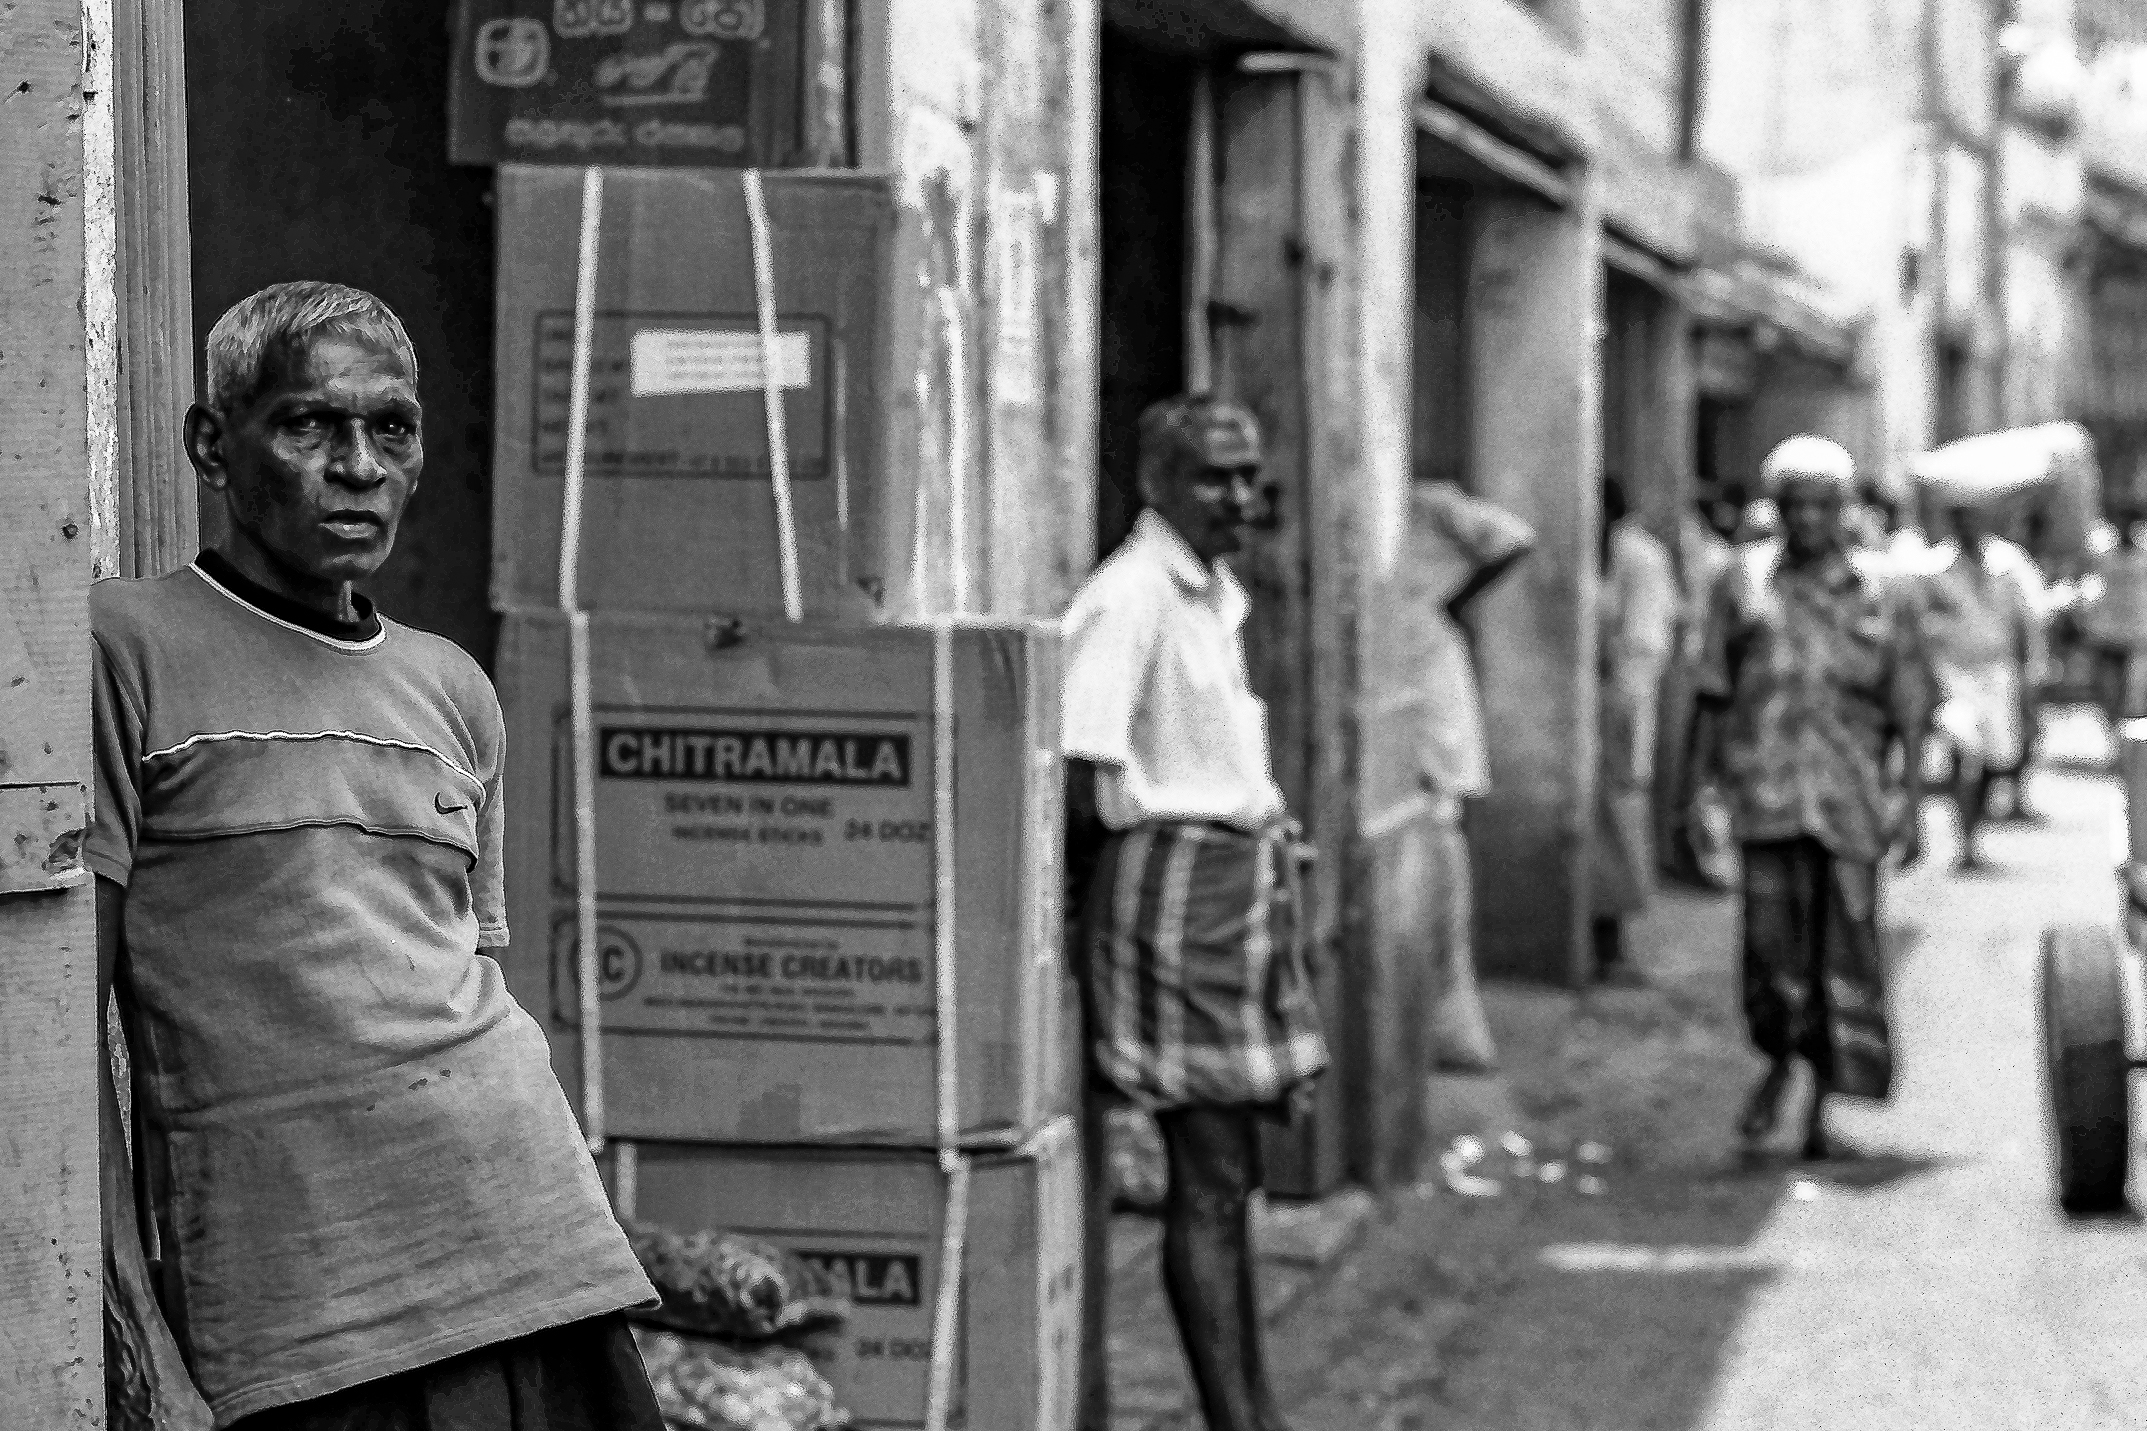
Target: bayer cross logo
{"points": [[618, 959], [513, 53]]}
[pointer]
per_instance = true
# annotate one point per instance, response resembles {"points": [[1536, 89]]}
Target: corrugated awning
{"points": [[1746, 295], [1198, 27], [1509, 162]]}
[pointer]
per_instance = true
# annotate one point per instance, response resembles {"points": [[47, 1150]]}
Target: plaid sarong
{"points": [[1814, 974], [1198, 989]]}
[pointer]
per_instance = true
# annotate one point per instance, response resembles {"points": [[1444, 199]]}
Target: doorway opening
{"points": [[1146, 118]]}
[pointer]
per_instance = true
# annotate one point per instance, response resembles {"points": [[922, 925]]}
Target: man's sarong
{"points": [[1196, 968], [1621, 875], [1814, 980], [583, 1376]]}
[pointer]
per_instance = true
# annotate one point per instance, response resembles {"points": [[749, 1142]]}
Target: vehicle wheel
{"points": [[2086, 1065]]}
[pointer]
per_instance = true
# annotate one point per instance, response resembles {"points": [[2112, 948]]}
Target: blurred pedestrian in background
{"points": [[1461, 546], [1198, 1003], [1697, 845], [1636, 614], [1812, 672], [2113, 618], [1984, 627], [1761, 521]]}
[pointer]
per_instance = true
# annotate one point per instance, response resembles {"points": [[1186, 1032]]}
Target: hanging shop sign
{"points": [[701, 83]]}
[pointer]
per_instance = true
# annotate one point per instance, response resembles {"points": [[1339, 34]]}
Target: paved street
{"points": [[1927, 1281]]}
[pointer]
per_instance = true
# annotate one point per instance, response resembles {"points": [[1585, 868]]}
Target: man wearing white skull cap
{"points": [[1812, 673]]}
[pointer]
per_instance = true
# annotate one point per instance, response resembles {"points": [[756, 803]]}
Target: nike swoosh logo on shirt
{"points": [[445, 809]]}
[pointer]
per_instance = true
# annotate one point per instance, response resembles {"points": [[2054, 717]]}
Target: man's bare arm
{"points": [[111, 927], [146, 1384]]}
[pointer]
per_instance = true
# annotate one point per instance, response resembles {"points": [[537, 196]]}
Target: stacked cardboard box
{"points": [[680, 509], [765, 875], [766, 792]]}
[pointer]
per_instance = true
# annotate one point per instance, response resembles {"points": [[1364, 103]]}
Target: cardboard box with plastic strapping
{"points": [[873, 1219], [765, 875], [680, 508]]}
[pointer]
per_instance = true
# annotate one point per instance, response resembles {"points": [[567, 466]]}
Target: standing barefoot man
{"points": [[1198, 1002], [1813, 669]]}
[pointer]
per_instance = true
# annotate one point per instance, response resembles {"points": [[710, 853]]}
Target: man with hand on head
{"points": [[372, 1203], [1812, 672], [1199, 1006]]}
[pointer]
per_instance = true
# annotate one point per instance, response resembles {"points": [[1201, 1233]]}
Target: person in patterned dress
{"points": [[1199, 1007], [1813, 672]]}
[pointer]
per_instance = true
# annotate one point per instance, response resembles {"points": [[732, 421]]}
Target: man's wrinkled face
{"points": [[1812, 509], [1209, 507], [318, 467]]}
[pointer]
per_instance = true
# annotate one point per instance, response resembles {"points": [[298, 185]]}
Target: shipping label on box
{"points": [[799, 939], [872, 1221], [679, 395], [766, 877], [680, 511]]}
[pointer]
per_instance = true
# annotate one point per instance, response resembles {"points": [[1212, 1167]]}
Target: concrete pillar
{"points": [[1536, 286]]}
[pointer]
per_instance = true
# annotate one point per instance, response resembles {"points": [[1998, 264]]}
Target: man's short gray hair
{"points": [[258, 333]]}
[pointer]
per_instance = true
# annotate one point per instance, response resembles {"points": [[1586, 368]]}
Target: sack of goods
{"points": [[731, 1346], [719, 1387], [870, 1225]]}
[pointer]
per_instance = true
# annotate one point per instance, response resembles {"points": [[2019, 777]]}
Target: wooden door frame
{"points": [[95, 349], [1269, 306]]}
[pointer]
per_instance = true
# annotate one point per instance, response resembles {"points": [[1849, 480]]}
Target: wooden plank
{"points": [[50, 1264], [1256, 349], [1328, 275], [157, 507], [1258, 340]]}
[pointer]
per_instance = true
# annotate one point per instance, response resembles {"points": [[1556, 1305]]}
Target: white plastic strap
{"points": [[771, 398], [953, 1162], [587, 963], [950, 316]]}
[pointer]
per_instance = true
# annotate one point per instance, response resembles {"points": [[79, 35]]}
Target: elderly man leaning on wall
{"points": [[371, 1202]]}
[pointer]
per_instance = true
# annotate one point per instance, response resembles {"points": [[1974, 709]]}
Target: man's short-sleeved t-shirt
{"points": [[367, 1164]]}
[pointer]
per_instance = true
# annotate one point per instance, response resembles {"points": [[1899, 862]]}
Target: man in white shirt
{"points": [[2113, 617], [1985, 636], [1199, 1006], [1637, 614]]}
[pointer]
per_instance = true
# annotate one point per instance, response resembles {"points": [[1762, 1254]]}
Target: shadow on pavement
{"points": [[1847, 1168], [1621, 1314]]}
